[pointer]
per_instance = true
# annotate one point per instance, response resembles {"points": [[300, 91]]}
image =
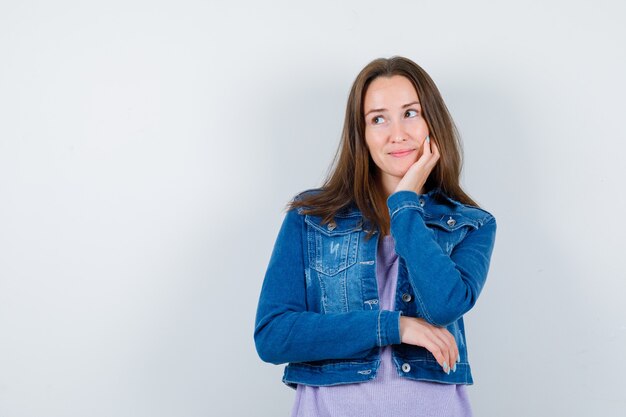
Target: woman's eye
{"points": [[377, 120], [410, 113]]}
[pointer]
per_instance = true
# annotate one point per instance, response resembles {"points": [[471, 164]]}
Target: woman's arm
{"points": [[446, 287], [286, 332]]}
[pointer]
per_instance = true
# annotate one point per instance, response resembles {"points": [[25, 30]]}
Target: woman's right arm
{"points": [[286, 332]]}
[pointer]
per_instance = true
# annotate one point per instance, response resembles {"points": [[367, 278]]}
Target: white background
{"points": [[147, 149]]}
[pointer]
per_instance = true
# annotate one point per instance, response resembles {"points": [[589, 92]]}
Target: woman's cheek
{"points": [[420, 152]]}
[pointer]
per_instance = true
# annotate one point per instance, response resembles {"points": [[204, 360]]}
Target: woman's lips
{"points": [[400, 154]]}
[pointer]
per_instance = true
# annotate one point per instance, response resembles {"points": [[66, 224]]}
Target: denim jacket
{"points": [[319, 311]]}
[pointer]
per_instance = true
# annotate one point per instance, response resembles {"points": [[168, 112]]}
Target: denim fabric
{"points": [[319, 308]]}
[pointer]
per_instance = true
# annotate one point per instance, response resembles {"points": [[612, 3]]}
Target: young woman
{"points": [[371, 274]]}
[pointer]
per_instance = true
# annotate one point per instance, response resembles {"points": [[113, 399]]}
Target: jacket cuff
{"points": [[388, 328], [403, 199]]}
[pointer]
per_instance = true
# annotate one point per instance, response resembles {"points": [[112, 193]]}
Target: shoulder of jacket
{"points": [[301, 196], [348, 218], [478, 214]]}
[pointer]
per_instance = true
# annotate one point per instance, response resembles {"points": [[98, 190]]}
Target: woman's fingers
{"points": [[433, 347], [431, 154], [427, 150], [429, 157], [435, 153], [444, 343], [437, 340], [454, 349], [449, 342], [416, 176], [443, 352], [436, 150]]}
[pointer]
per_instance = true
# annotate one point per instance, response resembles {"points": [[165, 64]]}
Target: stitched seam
{"points": [[427, 315], [380, 343], [407, 206], [476, 222], [423, 306], [340, 364], [419, 299]]}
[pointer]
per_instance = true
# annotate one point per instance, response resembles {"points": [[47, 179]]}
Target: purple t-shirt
{"points": [[388, 394]]}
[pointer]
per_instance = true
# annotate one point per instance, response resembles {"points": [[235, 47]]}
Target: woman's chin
{"points": [[401, 170]]}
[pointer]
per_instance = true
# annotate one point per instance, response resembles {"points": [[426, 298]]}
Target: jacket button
{"points": [[331, 226], [451, 222], [422, 202], [406, 297], [406, 367]]}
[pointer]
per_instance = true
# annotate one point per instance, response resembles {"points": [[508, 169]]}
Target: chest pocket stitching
{"points": [[333, 251], [342, 226], [448, 235], [442, 221]]}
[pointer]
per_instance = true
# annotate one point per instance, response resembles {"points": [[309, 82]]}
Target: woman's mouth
{"points": [[401, 153]]}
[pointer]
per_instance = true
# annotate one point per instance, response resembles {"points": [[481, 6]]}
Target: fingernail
{"points": [[427, 138], [454, 368], [458, 360], [446, 368]]}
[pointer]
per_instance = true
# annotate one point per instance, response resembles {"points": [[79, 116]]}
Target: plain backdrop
{"points": [[148, 148]]}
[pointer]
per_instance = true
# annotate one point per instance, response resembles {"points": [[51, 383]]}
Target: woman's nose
{"points": [[397, 133]]}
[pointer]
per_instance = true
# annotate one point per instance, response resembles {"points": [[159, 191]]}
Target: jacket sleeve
{"points": [[446, 287], [286, 332]]}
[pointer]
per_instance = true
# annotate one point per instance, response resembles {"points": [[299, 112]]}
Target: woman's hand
{"points": [[418, 173], [438, 340]]}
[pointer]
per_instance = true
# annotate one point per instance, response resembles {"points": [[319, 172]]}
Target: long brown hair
{"points": [[353, 180]]}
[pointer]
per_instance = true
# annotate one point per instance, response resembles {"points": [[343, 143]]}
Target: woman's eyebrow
{"points": [[382, 110], [410, 104], [375, 111]]}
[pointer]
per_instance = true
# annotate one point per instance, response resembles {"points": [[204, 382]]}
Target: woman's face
{"points": [[394, 127]]}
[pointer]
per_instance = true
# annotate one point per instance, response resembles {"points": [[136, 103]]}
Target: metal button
{"points": [[451, 222], [406, 297], [331, 226], [422, 202], [406, 367]]}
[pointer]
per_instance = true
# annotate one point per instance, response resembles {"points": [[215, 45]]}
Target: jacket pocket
{"points": [[449, 229], [332, 251]]}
